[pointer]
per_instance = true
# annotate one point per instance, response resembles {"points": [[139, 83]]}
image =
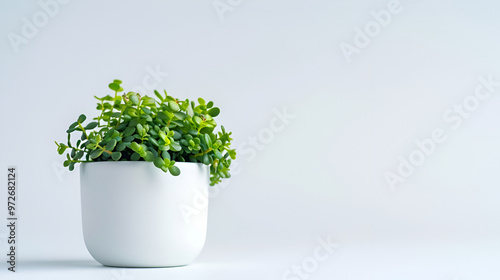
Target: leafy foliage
{"points": [[131, 127]]}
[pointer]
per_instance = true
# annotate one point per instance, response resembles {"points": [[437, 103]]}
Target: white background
{"points": [[322, 174]]}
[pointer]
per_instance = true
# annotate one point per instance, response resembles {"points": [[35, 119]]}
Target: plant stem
{"points": [[104, 150], [83, 130], [202, 153]]}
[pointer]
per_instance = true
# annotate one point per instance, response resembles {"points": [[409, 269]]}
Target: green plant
{"points": [[131, 127]]}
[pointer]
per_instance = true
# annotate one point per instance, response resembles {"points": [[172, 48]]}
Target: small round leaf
{"points": [[174, 170], [158, 162], [82, 118], [114, 86], [149, 156], [116, 155], [111, 145], [96, 153], [91, 125], [173, 106], [134, 99], [214, 112]]}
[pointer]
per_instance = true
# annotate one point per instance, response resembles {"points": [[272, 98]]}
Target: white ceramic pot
{"points": [[132, 213]]}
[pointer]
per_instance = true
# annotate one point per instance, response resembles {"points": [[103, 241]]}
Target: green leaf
{"points": [[205, 159], [131, 111], [158, 162], [144, 150], [134, 99], [178, 123], [148, 101], [136, 147], [128, 139], [153, 141], [117, 81], [82, 118], [133, 122], [73, 125], [116, 155], [175, 146], [173, 106], [140, 130], [207, 139], [146, 110], [61, 149], [121, 146], [96, 153], [176, 135], [232, 153], [109, 134], [114, 86], [163, 116], [122, 126], [180, 115], [135, 157], [165, 155], [153, 132], [111, 145], [168, 98], [174, 170], [190, 111], [155, 153], [163, 136], [79, 155], [147, 118], [158, 95], [91, 125], [214, 112], [207, 129], [210, 104], [128, 131], [218, 154], [201, 101], [149, 156]]}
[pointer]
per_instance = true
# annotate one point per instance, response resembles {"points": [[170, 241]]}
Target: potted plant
{"points": [[143, 159]]}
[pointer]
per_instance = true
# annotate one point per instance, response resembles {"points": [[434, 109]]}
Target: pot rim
{"points": [[140, 162]]}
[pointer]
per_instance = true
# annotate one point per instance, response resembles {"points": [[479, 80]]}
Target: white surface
{"points": [[443, 260], [135, 215], [318, 173]]}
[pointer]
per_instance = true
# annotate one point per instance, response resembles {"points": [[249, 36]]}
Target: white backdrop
{"points": [[324, 98]]}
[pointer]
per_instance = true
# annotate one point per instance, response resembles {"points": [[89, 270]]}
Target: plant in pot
{"points": [[144, 160]]}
